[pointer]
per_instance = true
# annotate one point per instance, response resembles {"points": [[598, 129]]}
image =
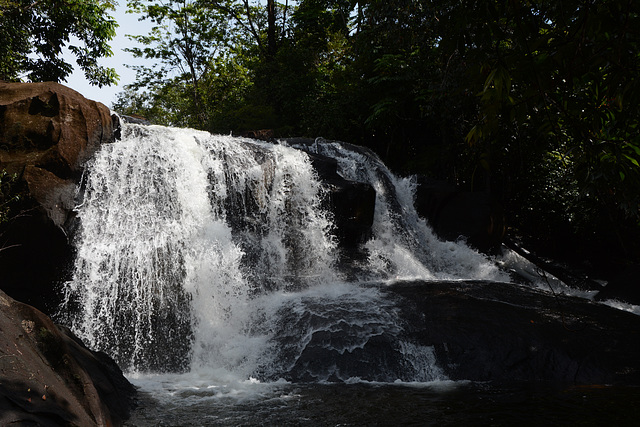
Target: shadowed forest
{"points": [[533, 102]]}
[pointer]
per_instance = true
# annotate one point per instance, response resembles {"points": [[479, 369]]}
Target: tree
{"points": [[186, 40], [558, 86], [250, 18], [536, 102], [197, 41], [33, 34]]}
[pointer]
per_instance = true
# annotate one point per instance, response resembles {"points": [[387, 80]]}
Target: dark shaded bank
{"points": [[49, 378], [484, 331]]}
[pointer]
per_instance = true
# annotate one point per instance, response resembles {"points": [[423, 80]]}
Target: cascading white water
{"points": [[403, 246], [203, 252]]}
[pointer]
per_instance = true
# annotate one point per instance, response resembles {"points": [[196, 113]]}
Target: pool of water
{"points": [[167, 403]]}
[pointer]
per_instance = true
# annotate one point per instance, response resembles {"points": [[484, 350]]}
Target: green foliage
{"points": [[536, 102], [9, 197], [33, 34], [191, 44], [561, 80]]}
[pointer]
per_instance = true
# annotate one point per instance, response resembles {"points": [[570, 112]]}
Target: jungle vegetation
{"points": [[536, 102]]}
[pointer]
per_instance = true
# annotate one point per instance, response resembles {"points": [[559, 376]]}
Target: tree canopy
{"points": [[33, 34], [535, 102]]}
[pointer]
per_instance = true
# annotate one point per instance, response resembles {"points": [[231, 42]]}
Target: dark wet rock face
{"points": [[504, 332], [462, 331], [352, 203], [49, 378]]}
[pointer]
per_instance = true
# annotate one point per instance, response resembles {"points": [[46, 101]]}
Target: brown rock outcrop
{"points": [[49, 127], [49, 378], [47, 133]]}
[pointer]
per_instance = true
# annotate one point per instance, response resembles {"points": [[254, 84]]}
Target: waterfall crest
{"points": [[200, 251]]}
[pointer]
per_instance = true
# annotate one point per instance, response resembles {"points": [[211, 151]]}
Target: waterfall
{"points": [[208, 252]]}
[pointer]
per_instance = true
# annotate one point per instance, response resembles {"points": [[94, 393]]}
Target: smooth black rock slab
{"points": [[484, 331]]}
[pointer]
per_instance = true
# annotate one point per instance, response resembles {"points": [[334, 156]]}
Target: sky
{"points": [[129, 24]]}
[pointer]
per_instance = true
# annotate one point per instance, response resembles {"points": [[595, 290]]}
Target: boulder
{"points": [[50, 126], [47, 133], [49, 378]]}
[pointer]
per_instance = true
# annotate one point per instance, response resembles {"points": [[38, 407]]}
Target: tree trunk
{"points": [[271, 29]]}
